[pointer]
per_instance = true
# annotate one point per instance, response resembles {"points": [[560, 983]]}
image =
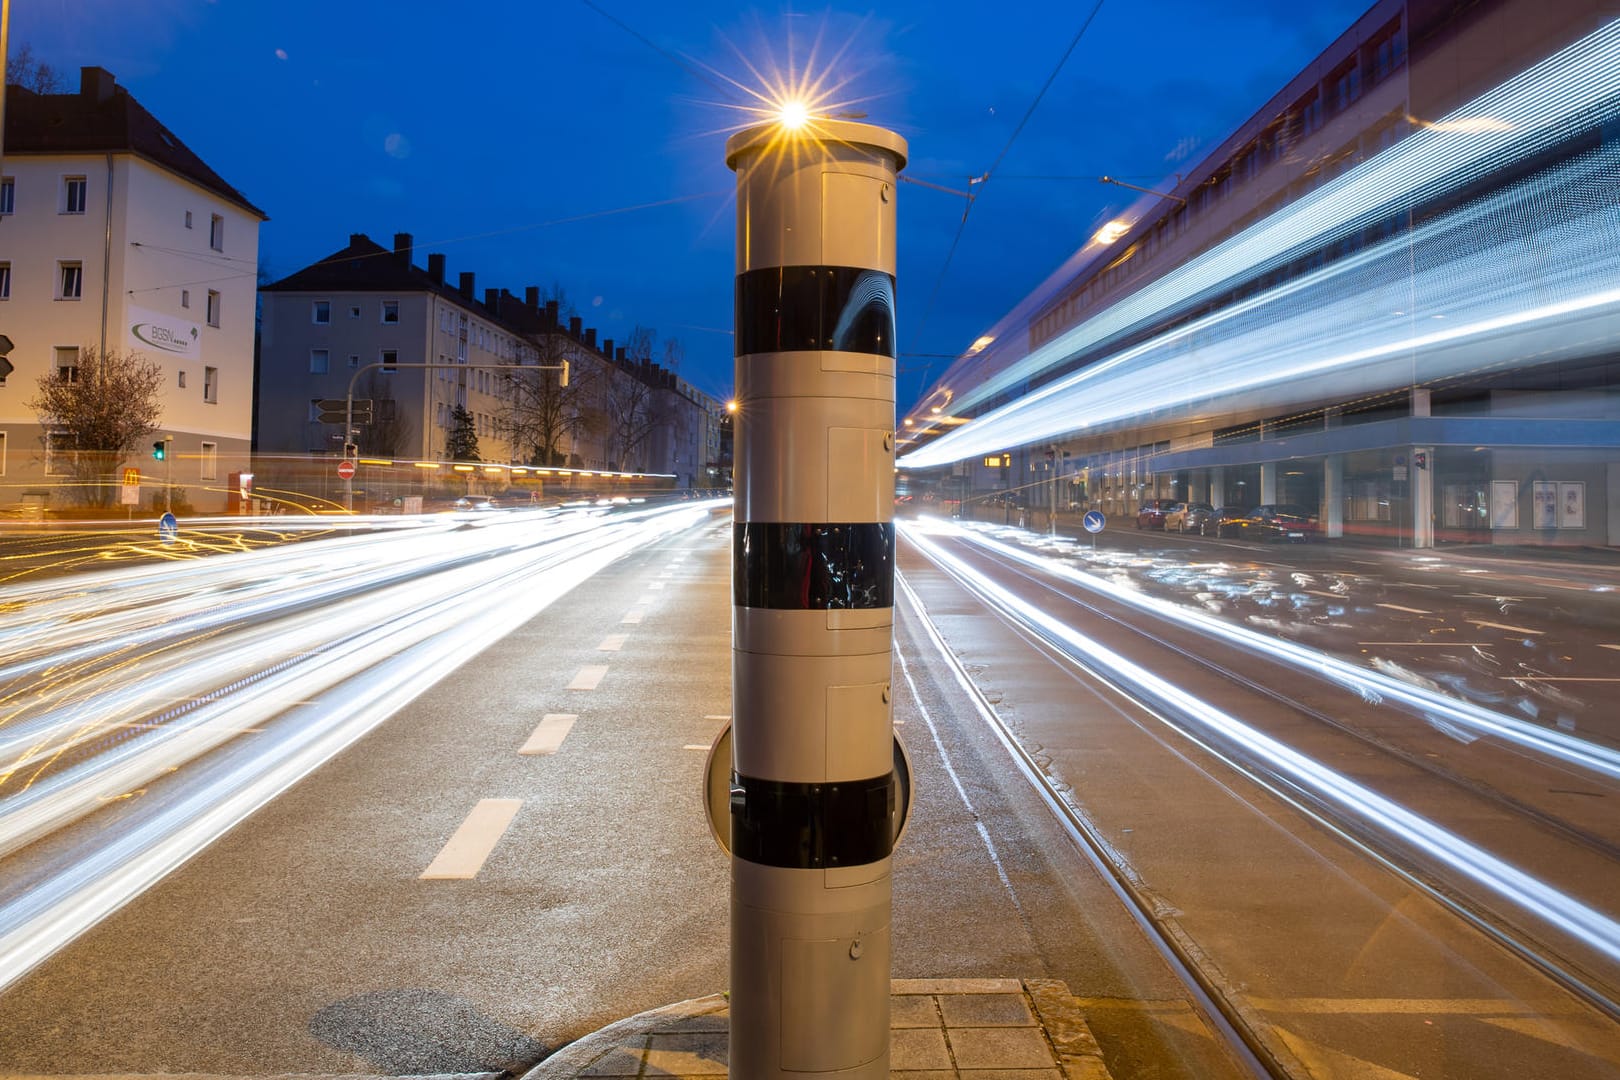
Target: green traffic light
{"points": [[159, 450]]}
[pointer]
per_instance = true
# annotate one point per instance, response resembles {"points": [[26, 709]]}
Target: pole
{"points": [[814, 790]]}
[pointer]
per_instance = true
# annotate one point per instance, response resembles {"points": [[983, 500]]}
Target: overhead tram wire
{"points": [[972, 195]]}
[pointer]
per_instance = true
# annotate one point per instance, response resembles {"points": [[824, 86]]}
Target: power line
{"points": [[973, 195]]}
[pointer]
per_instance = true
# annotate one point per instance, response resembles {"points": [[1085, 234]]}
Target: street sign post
{"points": [[814, 792]]}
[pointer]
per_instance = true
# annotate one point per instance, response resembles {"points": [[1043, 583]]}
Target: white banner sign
{"points": [[152, 332]]}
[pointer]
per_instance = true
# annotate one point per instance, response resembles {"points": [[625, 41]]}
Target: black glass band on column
{"points": [[835, 308], [798, 567], [813, 826]]}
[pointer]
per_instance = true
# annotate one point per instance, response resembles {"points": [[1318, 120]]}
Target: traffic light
{"points": [[160, 449]]}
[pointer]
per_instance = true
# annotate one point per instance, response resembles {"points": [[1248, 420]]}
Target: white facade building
{"points": [[116, 237]]}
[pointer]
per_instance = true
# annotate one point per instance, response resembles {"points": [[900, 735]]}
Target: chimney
{"points": [[551, 313], [96, 84], [531, 296], [436, 267], [358, 238], [573, 327], [590, 337], [607, 348], [619, 356], [467, 284], [492, 300], [402, 247]]}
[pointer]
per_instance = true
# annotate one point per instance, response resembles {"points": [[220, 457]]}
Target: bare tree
{"points": [[97, 411], [556, 293], [28, 71], [390, 430], [537, 412], [674, 353], [631, 417], [462, 442], [639, 346]]}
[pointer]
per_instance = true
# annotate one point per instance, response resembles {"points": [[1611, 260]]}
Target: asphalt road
{"points": [[307, 939]]}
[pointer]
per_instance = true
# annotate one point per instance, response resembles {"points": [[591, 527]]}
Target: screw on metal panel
{"points": [[855, 949]]}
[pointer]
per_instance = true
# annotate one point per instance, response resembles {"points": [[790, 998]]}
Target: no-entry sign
{"points": [[345, 469]]}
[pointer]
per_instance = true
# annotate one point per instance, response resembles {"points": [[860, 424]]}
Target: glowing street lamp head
{"points": [[793, 114]]}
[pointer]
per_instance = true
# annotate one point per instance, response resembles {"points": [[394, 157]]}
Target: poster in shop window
{"points": [[1544, 502], [1572, 504], [1504, 504]]}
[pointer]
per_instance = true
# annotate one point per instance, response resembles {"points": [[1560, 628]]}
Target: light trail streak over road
{"points": [[274, 660], [1446, 841]]}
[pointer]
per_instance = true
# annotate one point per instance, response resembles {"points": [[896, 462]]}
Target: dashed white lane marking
{"points": [[612, 643], [1616, 647], [655, 585], [718, 716], [1417, 585], [549, 736], [464, 853], [588, 677], [1504, 626], [1408, 610], [1328, 595], [633, 616], [694, 746]]}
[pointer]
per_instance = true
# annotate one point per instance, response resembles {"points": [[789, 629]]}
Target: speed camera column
{"points": [[814, 792]]}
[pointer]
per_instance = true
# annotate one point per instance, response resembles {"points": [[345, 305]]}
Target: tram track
{"points": [[1568, 939]]}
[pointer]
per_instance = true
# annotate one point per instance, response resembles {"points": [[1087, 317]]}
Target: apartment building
{"points": [[115, 236]]}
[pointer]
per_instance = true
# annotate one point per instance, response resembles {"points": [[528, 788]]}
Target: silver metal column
{"points": [[815, 796]]}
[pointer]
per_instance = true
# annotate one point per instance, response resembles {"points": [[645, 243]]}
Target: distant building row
{"points": [[115, 237]]}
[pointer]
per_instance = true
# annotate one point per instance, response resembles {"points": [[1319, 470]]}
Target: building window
{"points": [[389, 357], [69, 280], [188, 219], [5, 281], [390, 311], [354, 361], [354, 312], [8, 195], [318, 361], [58, 453], [185, 298], [211, 385], [320, 312], [74, 190], [210, 461], [67, 363], [2, 453], [213, 308], [216, 232]]}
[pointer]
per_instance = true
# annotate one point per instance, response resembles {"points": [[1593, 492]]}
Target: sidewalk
{"points": [[940, 1029]]}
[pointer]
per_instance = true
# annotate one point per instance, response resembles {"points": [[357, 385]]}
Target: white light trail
{"points": [[1593, 928], [337, 673], [1547, 260]]}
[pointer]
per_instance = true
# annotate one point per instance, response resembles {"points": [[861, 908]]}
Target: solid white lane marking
{"points": [[1429, 644], [1616, 647], [1558, 678], [1417, 585], [694, 746], [612, 643], [588, 677], [549, 736], [1408, 610], [1503, 626], [633, 616], [464, 853], [1329, 595]]}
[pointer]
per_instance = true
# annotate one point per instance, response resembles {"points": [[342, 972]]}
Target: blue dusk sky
{"points": [[580, 145]]}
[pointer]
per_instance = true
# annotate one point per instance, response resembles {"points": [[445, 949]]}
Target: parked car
{"points": [[1225, 521], [1151, 513], [1281, 521], [1187, 517]]}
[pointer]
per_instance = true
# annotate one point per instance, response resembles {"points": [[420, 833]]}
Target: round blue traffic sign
{"points": [[1094, 521], [168, 526]]}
